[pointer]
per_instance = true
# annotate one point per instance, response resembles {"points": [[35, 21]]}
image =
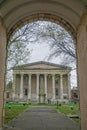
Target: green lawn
{"points": [[14, 111], [68, 109]]}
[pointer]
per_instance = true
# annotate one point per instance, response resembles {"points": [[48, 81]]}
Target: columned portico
{"points": [[40, 85]]}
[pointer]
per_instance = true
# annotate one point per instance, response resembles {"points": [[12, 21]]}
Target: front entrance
{"points": [[42, 99]]}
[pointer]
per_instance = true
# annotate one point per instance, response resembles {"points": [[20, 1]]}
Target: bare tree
{"points": [[61, 43], [18, 51]]}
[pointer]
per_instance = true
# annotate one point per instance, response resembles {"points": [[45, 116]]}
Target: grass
{"points": [[12, 110], [69, 109], [43, 104]]}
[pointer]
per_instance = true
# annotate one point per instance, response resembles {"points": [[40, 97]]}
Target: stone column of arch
{"points": [[61, 86], [29, 87], [53, 86], [37, 88], [3, 42], [82, 68], [21, 87], [45, 75], [14, 86]]}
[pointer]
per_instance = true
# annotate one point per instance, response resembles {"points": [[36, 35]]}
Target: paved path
{"points": [[42, 118]]}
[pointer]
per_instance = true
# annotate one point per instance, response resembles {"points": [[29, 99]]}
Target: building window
{"points": [[7, 94], [26, 92], [56, 91], [75, 95]]}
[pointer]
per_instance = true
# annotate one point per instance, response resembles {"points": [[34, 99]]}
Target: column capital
{"points": [[38, 74], [29, 74], [45, 74], [61, 75], [21, 74]]}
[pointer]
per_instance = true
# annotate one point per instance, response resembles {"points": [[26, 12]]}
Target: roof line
{"points": [[42, 62]]}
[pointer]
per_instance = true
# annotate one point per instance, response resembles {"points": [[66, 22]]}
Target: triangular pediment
{"points": [[41, 65]]}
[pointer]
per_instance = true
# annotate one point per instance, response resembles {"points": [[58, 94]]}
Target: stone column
{"points": [[37, 90], [61, 87], [82, 68], [53, 86], [29, 87], [69, 87], [3, 41], [21, 87], [14, 85], [45, 86]]}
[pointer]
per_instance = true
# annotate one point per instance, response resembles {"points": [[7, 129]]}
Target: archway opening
{"points": [[42, 22]]}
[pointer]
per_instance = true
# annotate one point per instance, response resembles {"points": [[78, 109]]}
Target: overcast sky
{"points": [[40, 53]]}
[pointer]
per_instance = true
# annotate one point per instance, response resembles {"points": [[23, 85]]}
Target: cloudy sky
{"points": [[40, 52]]}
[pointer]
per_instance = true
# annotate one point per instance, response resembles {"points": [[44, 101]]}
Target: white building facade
{"points": [[41, 82]]}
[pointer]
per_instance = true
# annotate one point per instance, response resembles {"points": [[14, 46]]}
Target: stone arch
{"points": [[71, 11], [43, 17]]}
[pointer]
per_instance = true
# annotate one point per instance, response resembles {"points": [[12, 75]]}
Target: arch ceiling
{"points": [[70, 10]]}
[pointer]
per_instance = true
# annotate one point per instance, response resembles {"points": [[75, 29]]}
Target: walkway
{"points": [[42, 118]]}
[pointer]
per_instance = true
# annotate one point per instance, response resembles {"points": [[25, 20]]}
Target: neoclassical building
{"points": [[71, 14], [40, 82]]}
